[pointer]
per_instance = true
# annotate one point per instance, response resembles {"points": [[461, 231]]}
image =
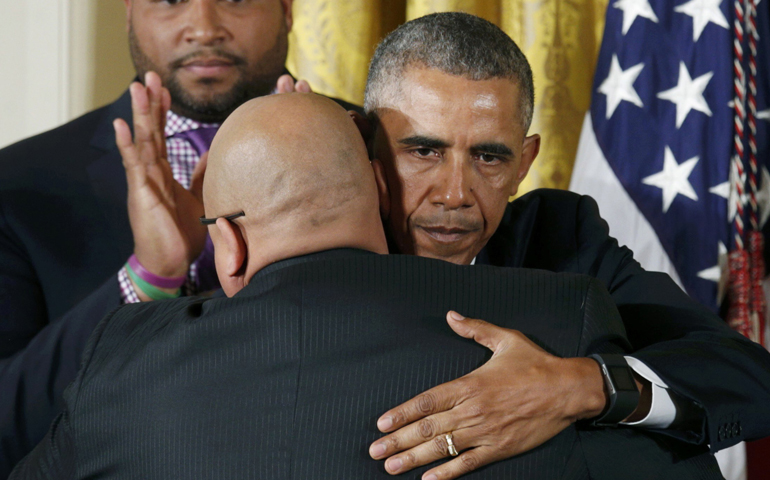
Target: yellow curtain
{"points": [[332, 41]]}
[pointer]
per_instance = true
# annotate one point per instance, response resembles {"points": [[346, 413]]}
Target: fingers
{"points": [[427, 452], [147, 104], [484, 333], [303, 87], [155, 94], [415, 434], [285, 84], [463, 464], [126, 148], [196, 183], [435, 400]]}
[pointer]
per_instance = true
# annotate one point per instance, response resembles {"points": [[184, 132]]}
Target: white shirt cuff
{"points": [[662, 411]]}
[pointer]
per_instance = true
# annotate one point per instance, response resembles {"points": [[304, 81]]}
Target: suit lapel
{"points": [[108, 177], [509, 244]]}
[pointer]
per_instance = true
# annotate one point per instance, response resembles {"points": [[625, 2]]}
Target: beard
{"points": [[253, 80]]}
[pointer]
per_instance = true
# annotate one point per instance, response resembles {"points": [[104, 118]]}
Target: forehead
{"points": [[429, 101]]}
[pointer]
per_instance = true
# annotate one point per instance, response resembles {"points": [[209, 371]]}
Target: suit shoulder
{"points": [[546, 200], [135, 324], [55, 147]]}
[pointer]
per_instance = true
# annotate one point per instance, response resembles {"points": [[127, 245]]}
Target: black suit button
{"points": [[736, 430]]}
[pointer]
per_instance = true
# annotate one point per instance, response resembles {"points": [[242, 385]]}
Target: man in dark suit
{"points": [[451, 97], [321, 333], [65, 233]]}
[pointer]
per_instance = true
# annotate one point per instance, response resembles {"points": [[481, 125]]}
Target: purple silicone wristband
{"points": [[151, 278]]}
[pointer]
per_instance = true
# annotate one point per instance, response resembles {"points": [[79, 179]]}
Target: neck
{"points": [[296, 245]]}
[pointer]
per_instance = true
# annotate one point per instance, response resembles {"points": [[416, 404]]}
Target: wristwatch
{"points": [[624, 396]]}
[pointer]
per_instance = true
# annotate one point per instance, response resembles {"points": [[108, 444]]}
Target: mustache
{"points": [[208, 53], [449, 221]]}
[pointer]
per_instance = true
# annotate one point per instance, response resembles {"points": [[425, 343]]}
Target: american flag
{"points": [[681, 87]]}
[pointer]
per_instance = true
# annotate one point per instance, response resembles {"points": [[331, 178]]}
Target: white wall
{"points": [[58, 59], [34, 67]]}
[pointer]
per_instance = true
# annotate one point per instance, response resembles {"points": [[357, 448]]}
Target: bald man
{"points": [[320, 335], [302, 180]]}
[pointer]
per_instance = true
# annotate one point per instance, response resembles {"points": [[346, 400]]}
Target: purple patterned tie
{"points": [[200, 139]]}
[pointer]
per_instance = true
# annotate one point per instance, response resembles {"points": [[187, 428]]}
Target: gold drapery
{"points": [[332, 41]]}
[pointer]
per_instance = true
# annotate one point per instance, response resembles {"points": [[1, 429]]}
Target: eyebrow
{"points": [[422, 141], [431, 142], [493, 148]]}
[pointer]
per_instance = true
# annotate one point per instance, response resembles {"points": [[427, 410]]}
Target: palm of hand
{"points": [[163, 215]]}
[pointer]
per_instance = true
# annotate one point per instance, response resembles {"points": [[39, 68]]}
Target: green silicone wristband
{"points": [[148, 289]]}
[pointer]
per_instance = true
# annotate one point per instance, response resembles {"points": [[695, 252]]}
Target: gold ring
{"points": [[450, 446]]}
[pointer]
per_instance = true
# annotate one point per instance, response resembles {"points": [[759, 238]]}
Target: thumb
{"points": [[285, 84], [196, 183], [484, 333]]}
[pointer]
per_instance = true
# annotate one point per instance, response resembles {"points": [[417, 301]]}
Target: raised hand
{"points": [[168, 236], [520, 398]]}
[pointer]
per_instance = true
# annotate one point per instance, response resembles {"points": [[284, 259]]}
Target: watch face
{"points": [[622, 378]]}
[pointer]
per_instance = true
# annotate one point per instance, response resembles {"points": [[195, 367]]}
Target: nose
{"points": [[453, 185], [204, 24]]}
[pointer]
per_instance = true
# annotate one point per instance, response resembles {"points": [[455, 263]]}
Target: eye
{"points": [[489, 159], [424, 152]]}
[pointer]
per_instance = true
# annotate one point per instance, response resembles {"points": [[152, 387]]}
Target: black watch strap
{"points": [[624, 396]]}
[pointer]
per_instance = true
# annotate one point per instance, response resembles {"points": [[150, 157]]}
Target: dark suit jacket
{"points": [[709, 366], [64, 234], [287, 379]]}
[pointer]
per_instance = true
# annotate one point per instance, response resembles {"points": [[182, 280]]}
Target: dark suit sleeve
{"points": [[690, 348], [22, 305], [32, 380], [602, 330], [54, 457]]}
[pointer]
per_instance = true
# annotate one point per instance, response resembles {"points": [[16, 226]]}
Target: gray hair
{"points": [[454, 43]]}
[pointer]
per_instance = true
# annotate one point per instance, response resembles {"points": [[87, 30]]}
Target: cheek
{"points": [[492, 204], [411, 190]]}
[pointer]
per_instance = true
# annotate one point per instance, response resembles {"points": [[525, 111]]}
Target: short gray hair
{"points": [[454, 43]]}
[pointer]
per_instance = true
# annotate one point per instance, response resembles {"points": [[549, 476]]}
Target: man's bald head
{"points": [[297, 166]]}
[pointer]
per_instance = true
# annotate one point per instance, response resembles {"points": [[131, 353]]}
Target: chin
{"points": [[458, 258]]}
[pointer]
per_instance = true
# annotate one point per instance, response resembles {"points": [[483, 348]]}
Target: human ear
{"points": [[529, 150], [230, 256], [382, 188], [287, 13], [128, 14]]}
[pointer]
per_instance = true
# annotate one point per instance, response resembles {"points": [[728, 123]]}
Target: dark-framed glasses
{"points": [[212, 221]]}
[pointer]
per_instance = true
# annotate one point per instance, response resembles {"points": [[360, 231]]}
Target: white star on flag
{"points": [[723, 189], [718, 273], [764, 115], [703, 12], [726, 191], [619, 86], [673, 179], [688, 94], [632, 9]]}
